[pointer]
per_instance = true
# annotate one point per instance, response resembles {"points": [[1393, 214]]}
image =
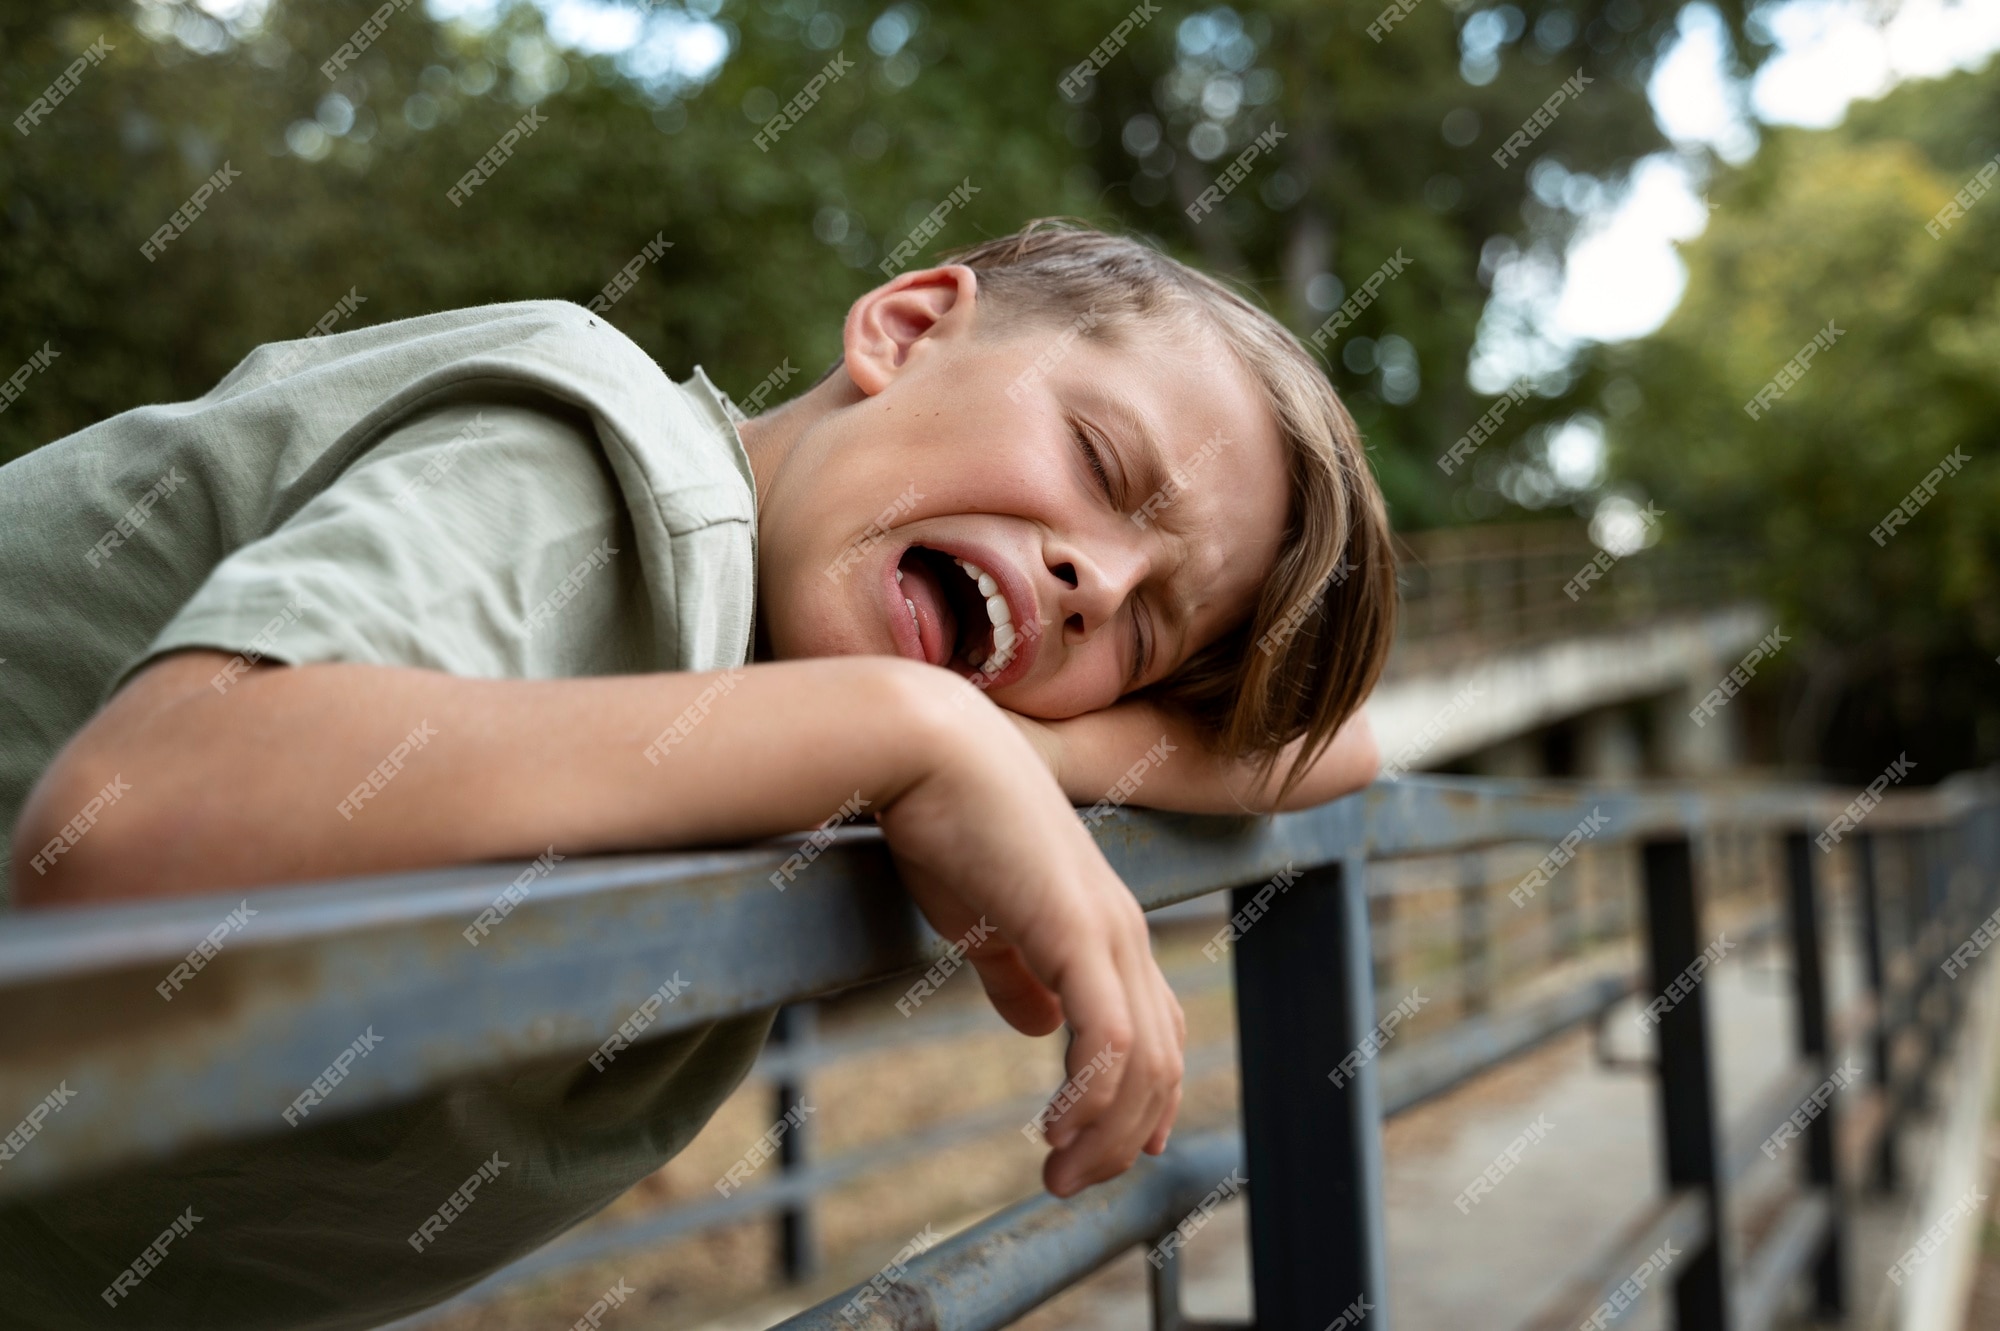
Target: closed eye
{"points": [[1095, 461], [1092, 458], [1140, 651]]}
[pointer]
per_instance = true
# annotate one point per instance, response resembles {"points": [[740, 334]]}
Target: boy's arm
{"points": [[1091, 754], [259, 786]]}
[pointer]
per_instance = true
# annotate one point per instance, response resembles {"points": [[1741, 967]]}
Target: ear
{"points": [[889, 324]]}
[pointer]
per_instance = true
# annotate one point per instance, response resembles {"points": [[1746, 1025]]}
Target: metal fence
{"points": [[317, 963], [1472, 590]]}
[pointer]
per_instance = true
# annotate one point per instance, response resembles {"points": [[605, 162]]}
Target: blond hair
{"points": [[1312, 649]]}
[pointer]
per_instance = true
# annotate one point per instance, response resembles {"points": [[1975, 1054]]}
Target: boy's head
{"points": [[1155, 475]]}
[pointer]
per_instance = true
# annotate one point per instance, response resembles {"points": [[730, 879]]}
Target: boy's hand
{"points": [[988, 833], [1088, 755]]}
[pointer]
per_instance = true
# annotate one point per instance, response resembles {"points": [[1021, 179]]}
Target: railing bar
{"points": [[1311, 1109], [40, 945], [1429, 815], [1751, 1130], [809, 1183], [993, 1273], [796, 1028], [1421, 1071], [1790, 1247], [1679, 1218], [515, 997], [1819, 1160], [1880, 965], [1690, 1131]]}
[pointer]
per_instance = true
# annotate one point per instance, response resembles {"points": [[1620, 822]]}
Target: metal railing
{"points": [[1467, 590], [317, 963]]}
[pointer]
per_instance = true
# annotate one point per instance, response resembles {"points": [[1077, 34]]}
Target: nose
{"points": [[1091, 583]]}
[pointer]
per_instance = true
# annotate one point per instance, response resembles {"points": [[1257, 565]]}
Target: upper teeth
{"points": [[998, 613]]}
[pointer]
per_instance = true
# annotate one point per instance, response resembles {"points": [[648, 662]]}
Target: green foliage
{"points": [[1834, 226], [769, 248]]}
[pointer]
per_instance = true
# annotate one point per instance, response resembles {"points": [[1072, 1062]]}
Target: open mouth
{"points": [[962, 619]]}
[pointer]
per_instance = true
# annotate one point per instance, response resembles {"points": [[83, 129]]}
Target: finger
{"points": [[1102, 1026], [1023, 1001], [1112, 1141], [1154, 1114], [1164, 1129], [1110, 1145], [1173, 1106], [1090, 1090]]}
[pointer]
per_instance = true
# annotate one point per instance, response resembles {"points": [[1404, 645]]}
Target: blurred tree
{"points": [[1898, 630], [1388, 127]]}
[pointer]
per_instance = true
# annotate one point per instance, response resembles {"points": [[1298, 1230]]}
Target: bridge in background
{"points": [[1500, 670]]}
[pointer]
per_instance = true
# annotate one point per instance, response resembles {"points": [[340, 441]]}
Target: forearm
{"points": [[1094, 753], [260, 785]]}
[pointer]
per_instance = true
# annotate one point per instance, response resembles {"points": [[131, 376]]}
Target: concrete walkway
{"points": [[1594, 1163], [1495, 1263]]}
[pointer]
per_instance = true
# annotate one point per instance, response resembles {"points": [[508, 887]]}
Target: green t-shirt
{"points": [[514, 491]]}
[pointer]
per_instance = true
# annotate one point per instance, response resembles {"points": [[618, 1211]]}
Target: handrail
{"points": [[1801, 1227], [308, 972], [992, 1273], [1678, 1219], [1496, 584], [275, 980]]}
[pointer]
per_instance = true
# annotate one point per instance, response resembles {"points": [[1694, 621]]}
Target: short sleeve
{"points": [[485, 540]]}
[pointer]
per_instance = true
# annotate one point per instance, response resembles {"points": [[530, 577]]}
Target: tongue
{"points": [[937, 627]]}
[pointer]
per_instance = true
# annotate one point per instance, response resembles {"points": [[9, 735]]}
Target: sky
{"points": [[1623, 277]]}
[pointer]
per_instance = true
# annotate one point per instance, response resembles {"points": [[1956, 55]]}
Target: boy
{"points": [[1060, 471]]}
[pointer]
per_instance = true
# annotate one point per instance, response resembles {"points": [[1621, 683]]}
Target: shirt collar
{"points": [[729, 407], [726, 414]]}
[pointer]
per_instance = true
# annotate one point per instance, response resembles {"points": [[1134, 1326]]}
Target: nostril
{"points": [[1074, 622], [1067, 572]]}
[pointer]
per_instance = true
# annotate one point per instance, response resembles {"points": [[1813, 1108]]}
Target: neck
{"points": [[769, 437]]}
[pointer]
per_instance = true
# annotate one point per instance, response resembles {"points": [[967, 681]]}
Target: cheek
{"points": [[1088, 680]]}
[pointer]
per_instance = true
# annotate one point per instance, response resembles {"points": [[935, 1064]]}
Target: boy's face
{"points": [[937, 445]]}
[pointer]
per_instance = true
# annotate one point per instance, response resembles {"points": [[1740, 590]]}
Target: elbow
{"points": [[1366, 759], [1349, 763], [68, 846], [120, 810]]}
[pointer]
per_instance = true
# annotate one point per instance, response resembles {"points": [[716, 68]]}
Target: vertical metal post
{"points": [[1919, 940], [1475, 935], [1874, 954], [798, 1236], [1816, 1049], [1565, 939], [1164, 1281], [1388, 940], [1304, 1002], [1926, 999], [1690, 1131], [1958, 912]]}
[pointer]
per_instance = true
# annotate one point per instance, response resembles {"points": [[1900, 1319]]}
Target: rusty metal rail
{"points": [[996, 1271], [308, 966]]}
